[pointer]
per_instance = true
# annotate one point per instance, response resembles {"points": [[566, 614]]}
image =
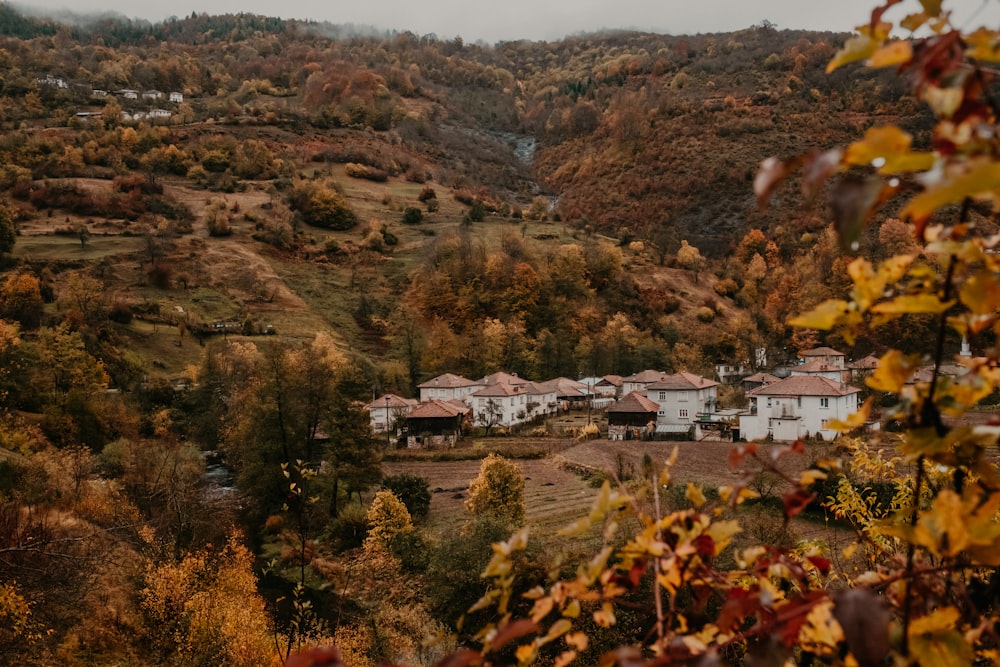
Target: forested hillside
{"points": [[222, 235]]}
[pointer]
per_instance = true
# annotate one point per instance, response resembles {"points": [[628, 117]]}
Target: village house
{"points": [[389, 410], [825, 355], [797, 407], [448, 386], [822, 369], [53, 81], [682, 397], [633, 417], [436, 424], [639, 381], [176, 97], [152, 95], [127, 94], [729, 373], [863, 367], [499, 404], [758, 380], [569, 393]]}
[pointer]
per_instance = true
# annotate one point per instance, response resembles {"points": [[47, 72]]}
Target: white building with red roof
{"points": [[639, 381], [797, 407], [388, 410], [681, 397], [448, 387]]}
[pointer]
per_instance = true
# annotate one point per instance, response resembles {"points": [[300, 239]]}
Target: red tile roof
{"points": [[682, 381], [634, 402], [394, 401], [821, 352], [447, 381], [646, 376], [805, 385], [437, 410]]}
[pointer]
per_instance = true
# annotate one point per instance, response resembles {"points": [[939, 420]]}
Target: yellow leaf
{"points": [[525, 653], [824, 316], [807, 477], [913, 303], [878, 144], [943, 101], [913, 21], [892, 372], [572, 610], [821, 633], [534, 593], [856, 48], [694, 495], [558, 629], [983, 45], [981, 293], [932, 639], [931, 7], [981, 178], [854, 420], [722, 533]]}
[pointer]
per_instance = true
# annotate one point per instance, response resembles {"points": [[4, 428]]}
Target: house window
{"points": [[512, 402], [663, 395], [823, 423], [662, 412], [482, 402], [682, 414], [769, 402], [682, 396], [824, 402], [798, 401]]}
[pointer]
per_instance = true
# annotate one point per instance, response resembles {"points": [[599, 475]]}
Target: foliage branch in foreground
{"points": [[918, 587]]}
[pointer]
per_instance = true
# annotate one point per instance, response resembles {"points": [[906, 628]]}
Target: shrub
{"points": [[705, 314], [426, 194], [355, 170], [412, 216], [159, 275], [413, 490]]}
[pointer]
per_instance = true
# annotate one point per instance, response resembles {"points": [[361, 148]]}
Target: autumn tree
{"points": [[689, 257], [21, 300], [387, 517], [498, 491], [206, 608], [8, 234]]}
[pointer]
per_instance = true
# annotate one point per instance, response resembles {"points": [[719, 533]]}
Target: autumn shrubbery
{"points": [[355, 170], [321, 205]]}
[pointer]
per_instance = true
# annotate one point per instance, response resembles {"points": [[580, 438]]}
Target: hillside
{"points": [[565, 177]]}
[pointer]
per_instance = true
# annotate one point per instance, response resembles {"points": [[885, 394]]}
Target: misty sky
{"points": [[494, 20]]}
